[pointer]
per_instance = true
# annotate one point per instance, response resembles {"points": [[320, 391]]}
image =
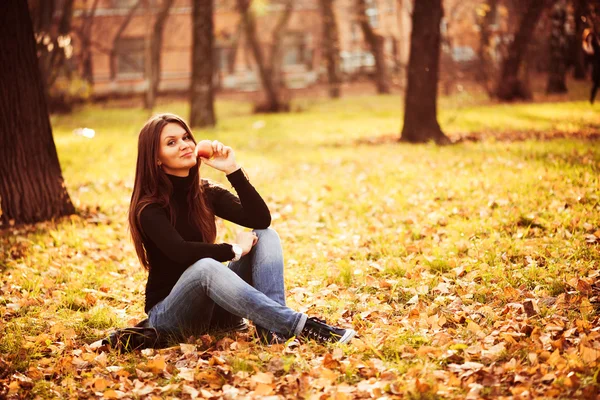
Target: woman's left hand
{"points": [[222, 159]]}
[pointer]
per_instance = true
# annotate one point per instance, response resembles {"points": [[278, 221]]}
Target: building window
{"points": [[131, 52], [295, 50]]}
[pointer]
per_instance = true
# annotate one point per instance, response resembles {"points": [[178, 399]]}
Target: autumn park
{"points": [[315, 199]]}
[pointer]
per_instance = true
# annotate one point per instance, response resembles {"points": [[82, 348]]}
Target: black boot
{"points": [[318, 330]]}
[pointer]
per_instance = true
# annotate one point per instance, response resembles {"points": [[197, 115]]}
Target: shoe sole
{"points": [[348, 335]]}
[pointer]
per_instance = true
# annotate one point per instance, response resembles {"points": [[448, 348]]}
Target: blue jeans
{"points": [[252, 288]]}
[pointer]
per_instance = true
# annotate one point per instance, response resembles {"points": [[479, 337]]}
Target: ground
{"points": [[468, 270]]}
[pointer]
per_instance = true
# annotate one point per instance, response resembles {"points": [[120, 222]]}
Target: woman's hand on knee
{"points": [[246, 240]]}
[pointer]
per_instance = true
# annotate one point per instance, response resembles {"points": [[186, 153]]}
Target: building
{"points": [[117, 53]]}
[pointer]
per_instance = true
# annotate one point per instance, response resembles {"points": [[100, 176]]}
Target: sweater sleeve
{"points": [[249, 209], [157, 227]]}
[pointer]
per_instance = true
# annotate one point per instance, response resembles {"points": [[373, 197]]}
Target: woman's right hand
{"points": [[246, 240]]}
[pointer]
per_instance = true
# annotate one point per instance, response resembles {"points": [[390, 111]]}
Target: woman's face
{"points": [[176, 150]]}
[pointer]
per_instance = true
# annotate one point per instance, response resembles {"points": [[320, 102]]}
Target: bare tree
{"points": [[376, 43], [31, 183], [487, 16], [275, 62], [510, 86], [202, 111], [84, 33], [274, 101], [117, 38], [153, 61], [557, 73], [331, 47], [420, 110]]}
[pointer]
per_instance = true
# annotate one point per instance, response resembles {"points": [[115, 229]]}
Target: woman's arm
{"points": [[157, 228], [249, 210]]}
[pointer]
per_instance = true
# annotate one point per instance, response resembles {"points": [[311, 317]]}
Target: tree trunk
{"points": [[274, 102], [485, 62], [579, 69], [112, 59], [510, 86], [277, 37], [31, 184], [153, 64], [376, 45], [557, 72], [202, 111], [331, 47], [420, 110]]}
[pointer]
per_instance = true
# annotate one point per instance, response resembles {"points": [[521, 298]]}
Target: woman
{"points": [[172, 222]]}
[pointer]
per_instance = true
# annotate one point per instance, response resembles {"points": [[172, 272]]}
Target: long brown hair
{"points": [[152, 186]]}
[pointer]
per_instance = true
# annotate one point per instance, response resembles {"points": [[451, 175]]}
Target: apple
{"points": [[204, 149]]}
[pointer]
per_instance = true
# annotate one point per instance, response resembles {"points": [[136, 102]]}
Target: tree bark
{"points": [[277, 37], [331, 47], [274, 102], [420, 110], [153, 64], [510, 86], [485, 64], [202, 111], [376, 45], [113, 53], [31, 184], [557, 72]]}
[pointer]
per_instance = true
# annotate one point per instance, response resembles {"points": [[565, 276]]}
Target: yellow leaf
{"points": [[262, 389], [555, 358], [589, 355], [110, 394], [157, 365], [100, 384], [187, 348], [262, 377]]}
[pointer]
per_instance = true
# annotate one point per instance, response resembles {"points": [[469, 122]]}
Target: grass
{"points": [[366, 224]]}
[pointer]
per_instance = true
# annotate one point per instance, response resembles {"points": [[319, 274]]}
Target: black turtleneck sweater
{"points": [[172, 249]]}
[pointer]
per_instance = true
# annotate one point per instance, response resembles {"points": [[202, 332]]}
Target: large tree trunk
{"points": [[153, 63], [557, 72], [376, 45], [274, 101], [331, 47], [31, 183], [202, 111], [420, 110], [510, 86]]}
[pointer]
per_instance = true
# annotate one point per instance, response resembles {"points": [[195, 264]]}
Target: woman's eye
{"points": [[170, 143], [187, 137]]}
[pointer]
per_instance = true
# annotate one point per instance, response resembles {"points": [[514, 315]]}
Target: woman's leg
{"points": [[191, 302], [263, 269], [263, 266]]}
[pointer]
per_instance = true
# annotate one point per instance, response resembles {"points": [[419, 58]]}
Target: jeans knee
{"points": [[268, 234], [204, 268]]}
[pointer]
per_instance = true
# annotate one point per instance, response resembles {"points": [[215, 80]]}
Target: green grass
{"points": [[366, 225]]}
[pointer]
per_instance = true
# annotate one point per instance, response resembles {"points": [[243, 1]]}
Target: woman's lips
{"points": [[187, 154]]}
